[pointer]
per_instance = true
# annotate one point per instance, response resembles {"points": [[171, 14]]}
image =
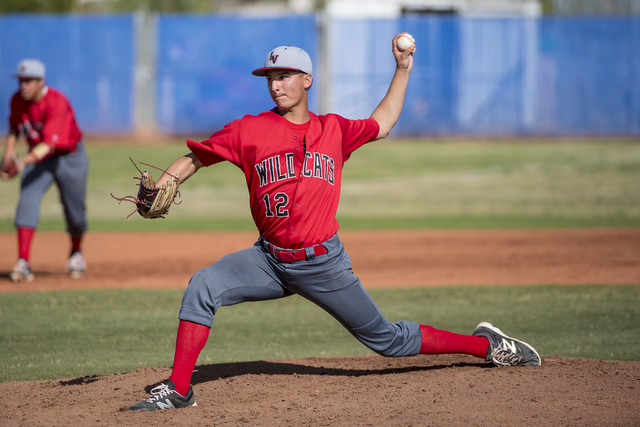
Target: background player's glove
{"points": [[152, 202], [10, 169]]}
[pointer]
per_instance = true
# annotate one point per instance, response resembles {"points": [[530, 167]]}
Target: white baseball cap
{"points": [[31, 68], [286, 58]]}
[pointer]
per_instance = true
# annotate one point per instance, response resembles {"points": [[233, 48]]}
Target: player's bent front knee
{"points": [[199, 304]]}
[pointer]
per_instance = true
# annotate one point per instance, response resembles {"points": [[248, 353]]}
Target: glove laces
{"points": [[146, 189]]}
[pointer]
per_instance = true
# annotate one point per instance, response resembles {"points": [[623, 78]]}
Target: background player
{"points": [[45, 118], [293, 160]]}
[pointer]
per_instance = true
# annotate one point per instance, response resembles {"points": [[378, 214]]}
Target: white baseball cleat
{"points": [[76, 265], [21, 272]]}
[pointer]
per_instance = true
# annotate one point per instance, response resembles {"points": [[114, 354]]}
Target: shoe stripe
{"points": [[168, 405]]}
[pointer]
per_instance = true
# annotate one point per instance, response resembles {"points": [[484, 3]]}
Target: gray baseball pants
{"points": [[69, 172], [327, 280]]}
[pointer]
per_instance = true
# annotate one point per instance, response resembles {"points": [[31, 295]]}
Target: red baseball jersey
{"points": [[51, 120], [293, 172]]}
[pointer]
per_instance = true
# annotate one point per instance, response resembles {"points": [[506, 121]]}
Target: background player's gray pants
{"points": [[70, 173], [327, 280]]}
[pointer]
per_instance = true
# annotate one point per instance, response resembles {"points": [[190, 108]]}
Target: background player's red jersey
{"points": [[51, 121]]}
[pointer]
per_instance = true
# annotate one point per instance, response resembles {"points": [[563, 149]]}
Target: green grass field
{"points": [[398, 184], [49, 335]]}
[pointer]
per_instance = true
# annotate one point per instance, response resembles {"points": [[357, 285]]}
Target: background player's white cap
{"points": [[285, 58], [31, 68]]}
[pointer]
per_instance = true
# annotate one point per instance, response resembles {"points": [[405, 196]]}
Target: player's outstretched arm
{"points": [[389, 109], [184, 167], [37, 153]]}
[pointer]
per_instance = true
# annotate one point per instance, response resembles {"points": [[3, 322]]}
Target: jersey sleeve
{"points": [[14, 115], [222, 145], [356, 133]]}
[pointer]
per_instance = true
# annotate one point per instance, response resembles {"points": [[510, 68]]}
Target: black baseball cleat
{"points": [[165, 397], [504, 350]]}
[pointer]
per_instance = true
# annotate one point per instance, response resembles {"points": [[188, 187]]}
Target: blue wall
{"points": [[595, 66], [89, 58], [204, 69], [496, 76], [551, 76]]}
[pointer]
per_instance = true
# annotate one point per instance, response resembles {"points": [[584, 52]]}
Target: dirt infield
{"points": [[348, 391], [382, 259]]}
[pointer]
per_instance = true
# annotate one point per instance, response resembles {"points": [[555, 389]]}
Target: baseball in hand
{"points": [[405, 41]]}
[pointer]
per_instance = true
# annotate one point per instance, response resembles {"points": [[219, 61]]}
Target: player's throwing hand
{"points": [[404, 46]]}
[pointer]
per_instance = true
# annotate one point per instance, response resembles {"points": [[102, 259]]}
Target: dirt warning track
{"points": [[382, 259]]}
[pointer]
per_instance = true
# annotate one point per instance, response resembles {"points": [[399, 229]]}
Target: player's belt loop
{"points": [[309, 253]]}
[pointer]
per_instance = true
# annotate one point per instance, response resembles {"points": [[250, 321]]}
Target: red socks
{"points": [[436, 341], [75, 244], [25, 235], [192, 337], [189, 343]]}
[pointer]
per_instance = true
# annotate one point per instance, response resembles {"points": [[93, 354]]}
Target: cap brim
{"points": [[24, 76], [261, 72]]}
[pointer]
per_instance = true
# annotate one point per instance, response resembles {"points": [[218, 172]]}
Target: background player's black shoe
{"points": [[504, 350], [165, 397]]}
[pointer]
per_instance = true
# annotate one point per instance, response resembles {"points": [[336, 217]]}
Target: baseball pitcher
{"points": [[293, 161]]}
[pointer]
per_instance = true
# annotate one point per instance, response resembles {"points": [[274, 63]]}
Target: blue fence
{"points": [[592, 69], [89, 58], [560, 76], [204, 69], [496, 76]]}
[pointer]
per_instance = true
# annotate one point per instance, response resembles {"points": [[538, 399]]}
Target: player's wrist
{"points": [[40, 151], [20, 164], [403, 71]]}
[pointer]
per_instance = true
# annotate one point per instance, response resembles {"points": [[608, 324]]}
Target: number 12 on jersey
{"points": [[280, 201]]}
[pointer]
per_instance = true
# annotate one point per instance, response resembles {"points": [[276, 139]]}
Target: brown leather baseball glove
{"points": [[10, 169], [151, 201]]}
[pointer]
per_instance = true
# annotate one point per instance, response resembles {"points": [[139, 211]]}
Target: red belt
{"points": [[285, 255]]}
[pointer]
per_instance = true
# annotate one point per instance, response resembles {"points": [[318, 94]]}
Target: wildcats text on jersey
{"points": [[322, 166], [276, 168], [272, 169]]}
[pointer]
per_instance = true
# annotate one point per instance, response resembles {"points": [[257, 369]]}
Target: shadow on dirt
{"points": [[206, 373], [209, 373]]}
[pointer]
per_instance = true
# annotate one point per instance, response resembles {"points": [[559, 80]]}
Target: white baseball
{"points": [[405, 41]]}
